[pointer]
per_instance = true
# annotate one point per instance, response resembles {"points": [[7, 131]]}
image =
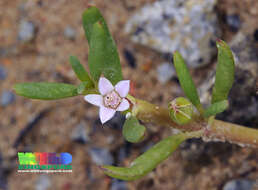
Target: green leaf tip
{"points": [[224, 72], [45, 91], [148, 160], [186, 80], [103, 55], [89, 17], [79, 70], [133, 131], [216, 108]]}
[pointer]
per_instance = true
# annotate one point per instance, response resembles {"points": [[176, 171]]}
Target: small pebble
{"points": [[3, 73], [27, 31], [165, 72], [124, 152], [233, 22], [79, 134], [7, 98], [43, 182], [117, 121], [147, 147], [118, 185], [101, 156], [256, 35], [130, 58], [3, 176], [3, 180], [239, 184], [70, 33]]}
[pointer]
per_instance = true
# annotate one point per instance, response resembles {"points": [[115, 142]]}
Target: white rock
{"points": [[189, 26], [165, 71]]}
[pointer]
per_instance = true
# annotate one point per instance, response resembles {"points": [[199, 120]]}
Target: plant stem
{"points": [[214, 131], [225, 131]]}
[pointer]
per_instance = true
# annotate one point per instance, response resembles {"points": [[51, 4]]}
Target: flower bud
{"points": [[181, 110]]}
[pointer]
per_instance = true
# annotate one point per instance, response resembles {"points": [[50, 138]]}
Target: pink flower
{"points": [[111, 99]]}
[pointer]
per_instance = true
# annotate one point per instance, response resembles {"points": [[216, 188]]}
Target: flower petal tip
{"points": [[124, 105], [94, 99], [123, 88], [105, 86], [106, 114]]}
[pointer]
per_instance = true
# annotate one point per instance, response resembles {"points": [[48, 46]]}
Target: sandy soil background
{"points": [[196, 165]]}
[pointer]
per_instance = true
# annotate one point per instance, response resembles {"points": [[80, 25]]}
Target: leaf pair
{"points": [[103, 55], [103, 59], [223, 82]]}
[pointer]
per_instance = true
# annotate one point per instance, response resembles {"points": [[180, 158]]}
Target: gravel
{"points": [[118, 185], [239, 184], [79, 134], [165, 72], [27, 31], [70, 33], [188, 26], [233, 22], [101, 156], [130, 58], [43, 182], [3, 73], [7, 98]]}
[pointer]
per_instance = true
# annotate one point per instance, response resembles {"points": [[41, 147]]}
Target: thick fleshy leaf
{"points": [[224, 72], [186, 81], [46, 91], [103, 55], [147, 161], [133, 131], [79, 70], [216, 108]]}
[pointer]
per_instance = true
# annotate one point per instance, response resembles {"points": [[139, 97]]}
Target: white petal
{"points": [[94, 99], [123, 87], [105, 86], [106, 114], [124, 105]]}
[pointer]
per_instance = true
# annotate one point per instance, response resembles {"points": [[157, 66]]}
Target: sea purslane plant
{"points": [[104, 87]]}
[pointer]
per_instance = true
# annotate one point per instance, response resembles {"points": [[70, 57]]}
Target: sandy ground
{"points": [[202, 166]]}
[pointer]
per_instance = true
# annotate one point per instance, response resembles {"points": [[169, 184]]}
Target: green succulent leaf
{"points": [[148, 160], [186, 81], [103, 55], [79, 70], [133, 131], [45, 91], [224, 72], [216, 108]]}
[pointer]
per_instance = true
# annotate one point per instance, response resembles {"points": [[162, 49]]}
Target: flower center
{"points": [[112, 100]]}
